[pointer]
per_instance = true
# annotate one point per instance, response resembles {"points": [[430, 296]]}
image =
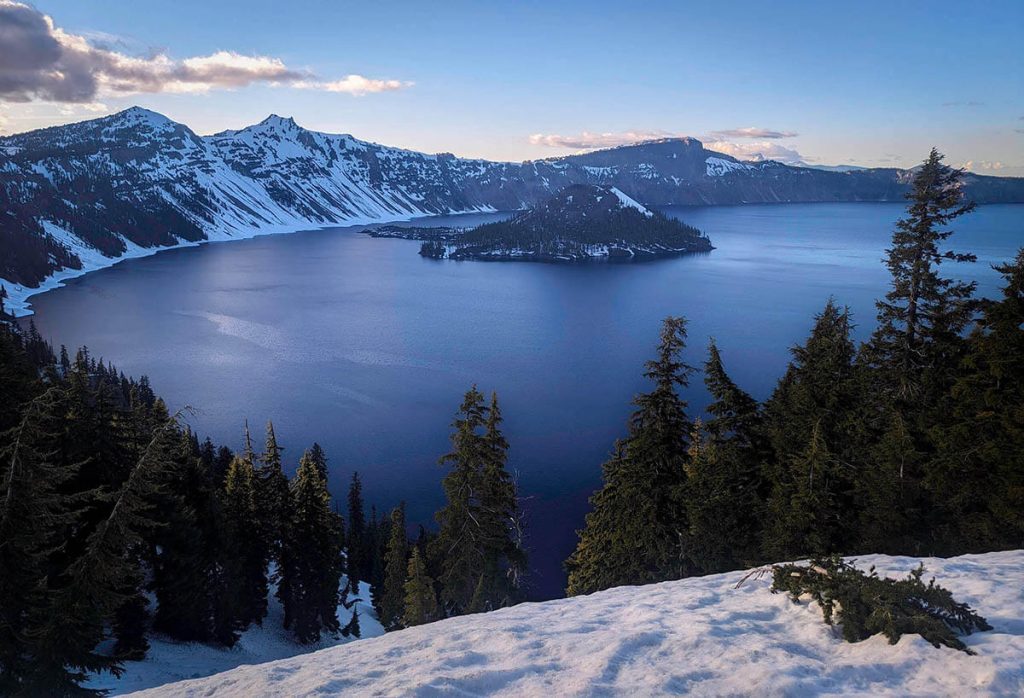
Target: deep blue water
{"points": [[364, 346]]}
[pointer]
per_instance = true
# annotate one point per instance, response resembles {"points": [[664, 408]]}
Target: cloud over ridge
{"points": [[40, 61]]}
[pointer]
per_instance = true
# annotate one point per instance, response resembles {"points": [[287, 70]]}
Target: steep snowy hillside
{"points": [[168, 661], [701, 636], [78, 197]]}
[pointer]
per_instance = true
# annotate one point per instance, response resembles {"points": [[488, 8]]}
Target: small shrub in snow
{"points": [[864, 604]]}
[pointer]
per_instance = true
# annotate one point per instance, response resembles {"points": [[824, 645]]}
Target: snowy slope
{"points": [[169, 661], [700, 636]]}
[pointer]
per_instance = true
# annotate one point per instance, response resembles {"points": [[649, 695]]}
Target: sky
{"points": [[867, 83]]}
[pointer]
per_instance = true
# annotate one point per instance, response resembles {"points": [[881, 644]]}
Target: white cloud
{"points": [[758, 150], [353, 85], [592, 141], [41, 62], [751, 132], [984, 165]]}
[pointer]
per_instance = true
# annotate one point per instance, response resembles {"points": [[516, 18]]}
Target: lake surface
{"points": [[364, 346]]}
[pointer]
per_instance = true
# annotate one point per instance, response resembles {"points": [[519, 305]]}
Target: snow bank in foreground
{"points": [[698, 636], [169, 661]]}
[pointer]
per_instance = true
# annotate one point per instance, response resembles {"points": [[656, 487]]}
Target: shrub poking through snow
{"points": [[864, 604]]}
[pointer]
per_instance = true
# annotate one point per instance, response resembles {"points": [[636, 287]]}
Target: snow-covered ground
{"points": [[702, 636], [169, 661]]}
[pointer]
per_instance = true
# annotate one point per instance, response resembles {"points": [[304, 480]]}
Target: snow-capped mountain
{"points": [[706, 636], [81, 196]]}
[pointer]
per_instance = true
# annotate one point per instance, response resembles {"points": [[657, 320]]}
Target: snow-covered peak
{"points": [[284, 123], [631, 203], [718, 166]]}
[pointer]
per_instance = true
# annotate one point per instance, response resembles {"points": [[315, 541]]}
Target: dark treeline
{"points": [[912, 443], [116, 521]]}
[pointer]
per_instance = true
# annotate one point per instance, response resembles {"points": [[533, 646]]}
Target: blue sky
{"points": [[871, 83]]}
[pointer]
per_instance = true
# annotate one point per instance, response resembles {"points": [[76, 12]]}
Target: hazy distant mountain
{"points": [[580, 222], [832, 168], [77, 197]]}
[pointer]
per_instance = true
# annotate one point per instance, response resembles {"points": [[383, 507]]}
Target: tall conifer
{"points": [[635, 532]]}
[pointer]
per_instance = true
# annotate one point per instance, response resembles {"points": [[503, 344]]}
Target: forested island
{"points": [[581, 222]]}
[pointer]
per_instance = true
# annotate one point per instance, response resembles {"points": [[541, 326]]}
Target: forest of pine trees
{"points": [[909, 444], [116, 520]]}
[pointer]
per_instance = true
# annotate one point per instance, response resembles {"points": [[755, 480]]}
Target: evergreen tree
{"points": [[501, 531], [919, 322], [319, 458], [420, 599], [722, 506], [33, 513], [889, 497], [724, 489], [805, 514], [356, 562], [272, 497], [634, 533], [311, 571], [185, 577], [66, 632], [976, 479], [392, 604], [734, 415], [810, 424], [246, 561], [459, 546]]}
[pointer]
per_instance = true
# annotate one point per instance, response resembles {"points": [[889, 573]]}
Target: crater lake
{"points": [[362, 345]]}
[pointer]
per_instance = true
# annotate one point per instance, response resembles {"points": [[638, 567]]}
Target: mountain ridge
{"points": [[83, 195]]}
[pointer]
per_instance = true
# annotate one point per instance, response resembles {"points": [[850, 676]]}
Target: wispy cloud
{"points": [[961, 103], [592, 141], [353, 85], [751, 132], [984, 165], [758, 150], [40, 61]]}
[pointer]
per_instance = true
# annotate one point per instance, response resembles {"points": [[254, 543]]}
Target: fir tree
{"points": [[809, 422], [734, 414], [272, 498], [889, 498], [356, 563], [185, 576], [319, 458], [311, 571], [33, 512], [246, 561], [67, 631], [722, 506], [459, 546], [392, 604], [420, 599], [919, 322], [499, 521], [634, 533], [805, 512], [976, 479]]}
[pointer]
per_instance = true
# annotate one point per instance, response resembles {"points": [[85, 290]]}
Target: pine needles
{"points": [[864, 604]]}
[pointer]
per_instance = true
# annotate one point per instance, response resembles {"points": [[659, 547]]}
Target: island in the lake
{"points": [[581, 222]]}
